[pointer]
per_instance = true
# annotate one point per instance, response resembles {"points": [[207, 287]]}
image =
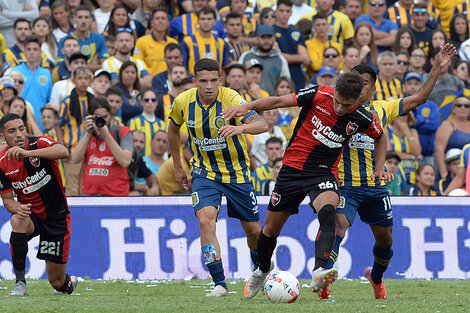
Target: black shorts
{"points": [[54, 238], [292, 185]]}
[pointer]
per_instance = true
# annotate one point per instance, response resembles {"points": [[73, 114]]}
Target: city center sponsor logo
{"points": [[210, 144], [33, 183], [325, 135]]}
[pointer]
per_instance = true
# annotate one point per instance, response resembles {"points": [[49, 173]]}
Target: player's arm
{"points": [[380, 150], [262, 104], [457, 182], [174, 141], [54, 152], [444, 56], [253, 124], [15, 207]]}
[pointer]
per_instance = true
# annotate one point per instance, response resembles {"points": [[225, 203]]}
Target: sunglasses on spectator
{"points": [[147, 100], [269, 16], [124, 29], [19, 81], [42, 25], [459, 105], [403, 62], [377, 4], [332, 56], [418, 56], [420, 10]]}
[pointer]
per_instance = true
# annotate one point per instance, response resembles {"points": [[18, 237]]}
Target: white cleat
{"points": [[256, 282], [19, 290], [218, 291], [74, 280], [323, 277]]}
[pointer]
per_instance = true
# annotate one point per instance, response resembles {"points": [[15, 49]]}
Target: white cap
{"points": [[453, 154]]}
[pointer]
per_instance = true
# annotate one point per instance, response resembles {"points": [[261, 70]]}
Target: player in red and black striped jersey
{"points": [[328, 119], [29, 168]]}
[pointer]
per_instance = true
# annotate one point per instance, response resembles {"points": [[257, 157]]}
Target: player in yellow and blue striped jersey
{"points": [[220, 162], [360, 194]]}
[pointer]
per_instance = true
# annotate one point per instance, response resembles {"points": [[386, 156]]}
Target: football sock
{"points": [[255, 258], [334, 252], [216, 270], [19, 250], [266, 247], [68, 286], [326, 235], [382, 258]]}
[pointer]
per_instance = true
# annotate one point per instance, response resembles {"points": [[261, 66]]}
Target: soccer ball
{"points": [[282, 287]]}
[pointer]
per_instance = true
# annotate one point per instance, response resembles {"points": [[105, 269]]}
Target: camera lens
{"points": [[99, 121]]}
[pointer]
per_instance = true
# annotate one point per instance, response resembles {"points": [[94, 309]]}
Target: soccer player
{"points": [[220, 161], [329, 118], [366, 196], [29, 169]]}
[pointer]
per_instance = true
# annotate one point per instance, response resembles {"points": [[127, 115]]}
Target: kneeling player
{"points": [[28, 166]]}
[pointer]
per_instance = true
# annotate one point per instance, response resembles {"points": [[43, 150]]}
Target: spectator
{"points": [[399, 13], [253, 79], [173, 55], [42, 29], [101, 82], [124, 47], [38, 80], [462, 70], [403, 64], [70, 126], [460, 184], [458, 30], [49, 119], [453, 133], [111, 45], [166, 174], [384, 29], [274, 64], [388, 87], [106, 150], [130, 88], [237, 46], [158, 154], [287, 116], [326, 76], [63, 69], [419, 28], [268, 185], [235, 79], [353, 9], [151, 48], [103, 13], [141, 179], [177, 74], [18, 106], [18, 82], [305, 26], [425, 176], [299, 9], [8, 91], [249, 23], [350, 59], [60, 20], [332, 58], [427, 118], [114, 97], [11, 11], [147, 122], [267, 16], [404, 41], [120, 21], [144, 13], [438, 39], [264, 172], [364, 41], [453, 166], [392, 160], [417, 61]]}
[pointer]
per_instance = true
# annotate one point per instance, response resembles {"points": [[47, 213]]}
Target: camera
{"points": [[99, 121]]}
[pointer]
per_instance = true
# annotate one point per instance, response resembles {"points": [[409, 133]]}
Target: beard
{"points": [[264, 50]]}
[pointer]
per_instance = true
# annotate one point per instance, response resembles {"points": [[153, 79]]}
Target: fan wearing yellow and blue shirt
{"points": [[361, 195], [220, 162], [235, 40], [263, 173], [387, 85], [204, 44], [249, 23]]}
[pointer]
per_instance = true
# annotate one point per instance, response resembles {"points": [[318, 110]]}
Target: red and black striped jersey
{"points": [[320, 135], [35, 180]]}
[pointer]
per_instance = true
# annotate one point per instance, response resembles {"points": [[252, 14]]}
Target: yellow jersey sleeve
{"points": [[387, 110], [176, 113]]}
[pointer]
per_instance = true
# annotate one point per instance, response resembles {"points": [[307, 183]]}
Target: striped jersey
{"points": [[113, 65], [388, 90], [149, 128], [72, 129]]}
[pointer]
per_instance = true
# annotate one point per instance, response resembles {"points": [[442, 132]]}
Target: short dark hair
{"points": [[364, 68], [70, 38], [228, 69], [113, 91], [347, 48], [172, 46], [185, 81], [273, 140], [319, 16], [232, 15], [6, 118], [206, 65], [54, 111], [285, 2], [32, 38], [98, 103], [207, 10], [21, 20], [109, 38], [160, 10], [83, 8], [349, 85]]}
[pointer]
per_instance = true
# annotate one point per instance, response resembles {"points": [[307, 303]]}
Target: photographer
{"points": [[107, 150]]}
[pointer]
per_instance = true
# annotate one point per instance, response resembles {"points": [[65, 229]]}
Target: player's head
{"points": [[347, 92], [369, 76], [207, 79], [13, 130]]}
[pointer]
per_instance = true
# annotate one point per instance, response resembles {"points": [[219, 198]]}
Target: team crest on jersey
{"points": [[209, 55], [86, 50], [295, 36], [219, 122], [102, 146], [275, 198], [341, 202], [43, 80], [93, 145], [195, 198], [351, 128], [34, 161]]}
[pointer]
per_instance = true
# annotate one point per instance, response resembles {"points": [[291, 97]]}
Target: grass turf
{"points": [[188, 296]]}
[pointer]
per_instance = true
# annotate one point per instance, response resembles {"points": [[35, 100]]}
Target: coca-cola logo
{"points": [[106, 160]]}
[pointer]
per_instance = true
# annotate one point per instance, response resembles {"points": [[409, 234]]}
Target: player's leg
{"points": [[252, 231], [59, 279], [21, 229]]}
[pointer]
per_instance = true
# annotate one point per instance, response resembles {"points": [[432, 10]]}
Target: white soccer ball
{"points": [[282, 287]]}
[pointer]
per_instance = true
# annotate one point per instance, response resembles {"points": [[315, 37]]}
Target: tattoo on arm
{"points": [[253, 117]]}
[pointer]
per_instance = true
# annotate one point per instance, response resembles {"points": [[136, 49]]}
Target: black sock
{"points": [[68, 286], [382, 257], [19, 250], [326, 235], [266, 246]]}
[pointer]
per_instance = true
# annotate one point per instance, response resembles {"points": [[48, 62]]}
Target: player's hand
{"points": [[24, 210], [16, 153], [235, 111], [228, 131], [382, 175], [182, 178], [445, 55], [103, 131]]}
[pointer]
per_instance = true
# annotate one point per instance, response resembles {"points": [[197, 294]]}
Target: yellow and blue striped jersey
{"points": [[3, 43], [113, 65], [151, 51], [399, 15], [167, 101], [72, 129], [93, 46], [196, 47], [388, 90], [357, 162], [407, 166], [14, 57], [222, 159], [236, 49], [140, 123], [260, 175]]}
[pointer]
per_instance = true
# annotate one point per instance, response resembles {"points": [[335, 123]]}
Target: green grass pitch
{"points": [[188, 296]]}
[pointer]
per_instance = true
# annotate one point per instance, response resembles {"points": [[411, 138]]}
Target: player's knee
{"points": [[19, 224], [326, 216], [206, 222], [385, 243]]}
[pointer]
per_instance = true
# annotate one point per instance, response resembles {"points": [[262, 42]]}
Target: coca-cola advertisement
{"points": [[105, 160]]}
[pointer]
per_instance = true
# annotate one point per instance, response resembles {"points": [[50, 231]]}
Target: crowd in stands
{"points": [[100, 77]]}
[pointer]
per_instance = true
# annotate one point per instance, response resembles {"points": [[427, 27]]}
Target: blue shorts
{"points": [[241, 198], [371, 203]]}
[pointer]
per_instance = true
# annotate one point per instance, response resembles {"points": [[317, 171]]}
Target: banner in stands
{"points": [[158, 238]]}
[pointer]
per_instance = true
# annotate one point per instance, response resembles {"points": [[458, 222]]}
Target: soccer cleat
{"points": [[74, 280], [256, 282], [322, 278], [218, 291], [19, 290], [324, 294], [380, 291]]}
